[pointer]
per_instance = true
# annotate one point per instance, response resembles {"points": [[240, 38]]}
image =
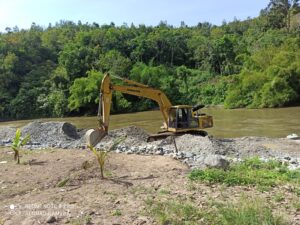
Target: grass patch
{"points": [[279, 197], [172, 212], [297, 191], [164, 192], [296, 205], [117, 212], [84, 219], [244, 212], [252, 171]]}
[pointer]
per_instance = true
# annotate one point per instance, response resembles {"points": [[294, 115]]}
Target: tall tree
{"points": [[280, 11]]}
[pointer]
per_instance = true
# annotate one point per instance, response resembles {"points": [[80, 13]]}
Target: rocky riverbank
{"points": [[195, 151]]}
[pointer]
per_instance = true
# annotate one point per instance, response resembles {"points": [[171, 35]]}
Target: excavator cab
{"points": [[183, 117]]}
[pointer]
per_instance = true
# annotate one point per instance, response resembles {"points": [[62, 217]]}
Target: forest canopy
{"points": [[56, 71]]}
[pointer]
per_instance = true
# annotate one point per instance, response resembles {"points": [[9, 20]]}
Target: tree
{"points": [[279, 12], [222, 56], [84, 92], [183, 73], [114, 63]]}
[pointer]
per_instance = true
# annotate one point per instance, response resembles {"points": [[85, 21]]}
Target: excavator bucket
{"points": [[94, 136]]}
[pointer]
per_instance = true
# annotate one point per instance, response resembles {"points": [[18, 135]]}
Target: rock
{"points": [[141, 220], [35, 143], [189, 155], [51, 219], [216, 161], [292, 136], [179, 155], [129, 152], [160, 151], [7, 141], [293, 161]]}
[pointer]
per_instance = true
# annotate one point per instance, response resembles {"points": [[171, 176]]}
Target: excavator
{"points": [[178, 120]]}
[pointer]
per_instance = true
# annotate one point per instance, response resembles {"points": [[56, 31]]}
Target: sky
{"points": [[22, 13]]}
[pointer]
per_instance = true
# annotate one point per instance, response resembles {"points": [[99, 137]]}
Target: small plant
{"points": [[63, 182], [84, 219], [117, 212], [18, 142], [102, 154], [101, 158]]}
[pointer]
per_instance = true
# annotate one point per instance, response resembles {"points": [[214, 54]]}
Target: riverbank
{"points": [[195, 151]]}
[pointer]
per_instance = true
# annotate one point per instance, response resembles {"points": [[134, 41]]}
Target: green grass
{"points": [[173, 212], [297, 191], [244, 212], [296, 205], [252, 171], [83, 219], [117, 212], [164, 192], [279, 197]]}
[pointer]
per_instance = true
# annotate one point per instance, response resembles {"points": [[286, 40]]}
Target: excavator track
{"points": [[164, 134]]}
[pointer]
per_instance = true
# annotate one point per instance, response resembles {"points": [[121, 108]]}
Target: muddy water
{"points": [[227, 123]]}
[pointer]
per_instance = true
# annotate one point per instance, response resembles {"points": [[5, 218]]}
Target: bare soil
{"points": [[66, 184]]}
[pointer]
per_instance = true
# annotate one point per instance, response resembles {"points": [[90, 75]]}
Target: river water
{"points": [[278, 122]]}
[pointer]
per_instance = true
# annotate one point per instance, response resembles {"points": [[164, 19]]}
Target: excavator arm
{"points": [[133, 88]]}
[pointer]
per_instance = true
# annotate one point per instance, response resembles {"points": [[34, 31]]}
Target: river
{"points": [[278, 122]]}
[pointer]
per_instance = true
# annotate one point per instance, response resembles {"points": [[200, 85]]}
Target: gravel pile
{"points": [[6, 135], [131, 136], [46, 134]]}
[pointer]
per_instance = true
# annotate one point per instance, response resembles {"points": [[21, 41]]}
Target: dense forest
{"points": [[56, 71]]}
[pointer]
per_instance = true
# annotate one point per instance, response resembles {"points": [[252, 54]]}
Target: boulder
{"points": [[216, 161]]}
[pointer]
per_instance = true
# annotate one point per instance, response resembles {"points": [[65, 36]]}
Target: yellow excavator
{"points": [[178, 120]]}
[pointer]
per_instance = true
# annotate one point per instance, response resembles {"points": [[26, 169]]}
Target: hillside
{"points": [[56, 71]]}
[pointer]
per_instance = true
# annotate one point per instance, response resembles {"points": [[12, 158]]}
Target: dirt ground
{"points": [[66, 184]]}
